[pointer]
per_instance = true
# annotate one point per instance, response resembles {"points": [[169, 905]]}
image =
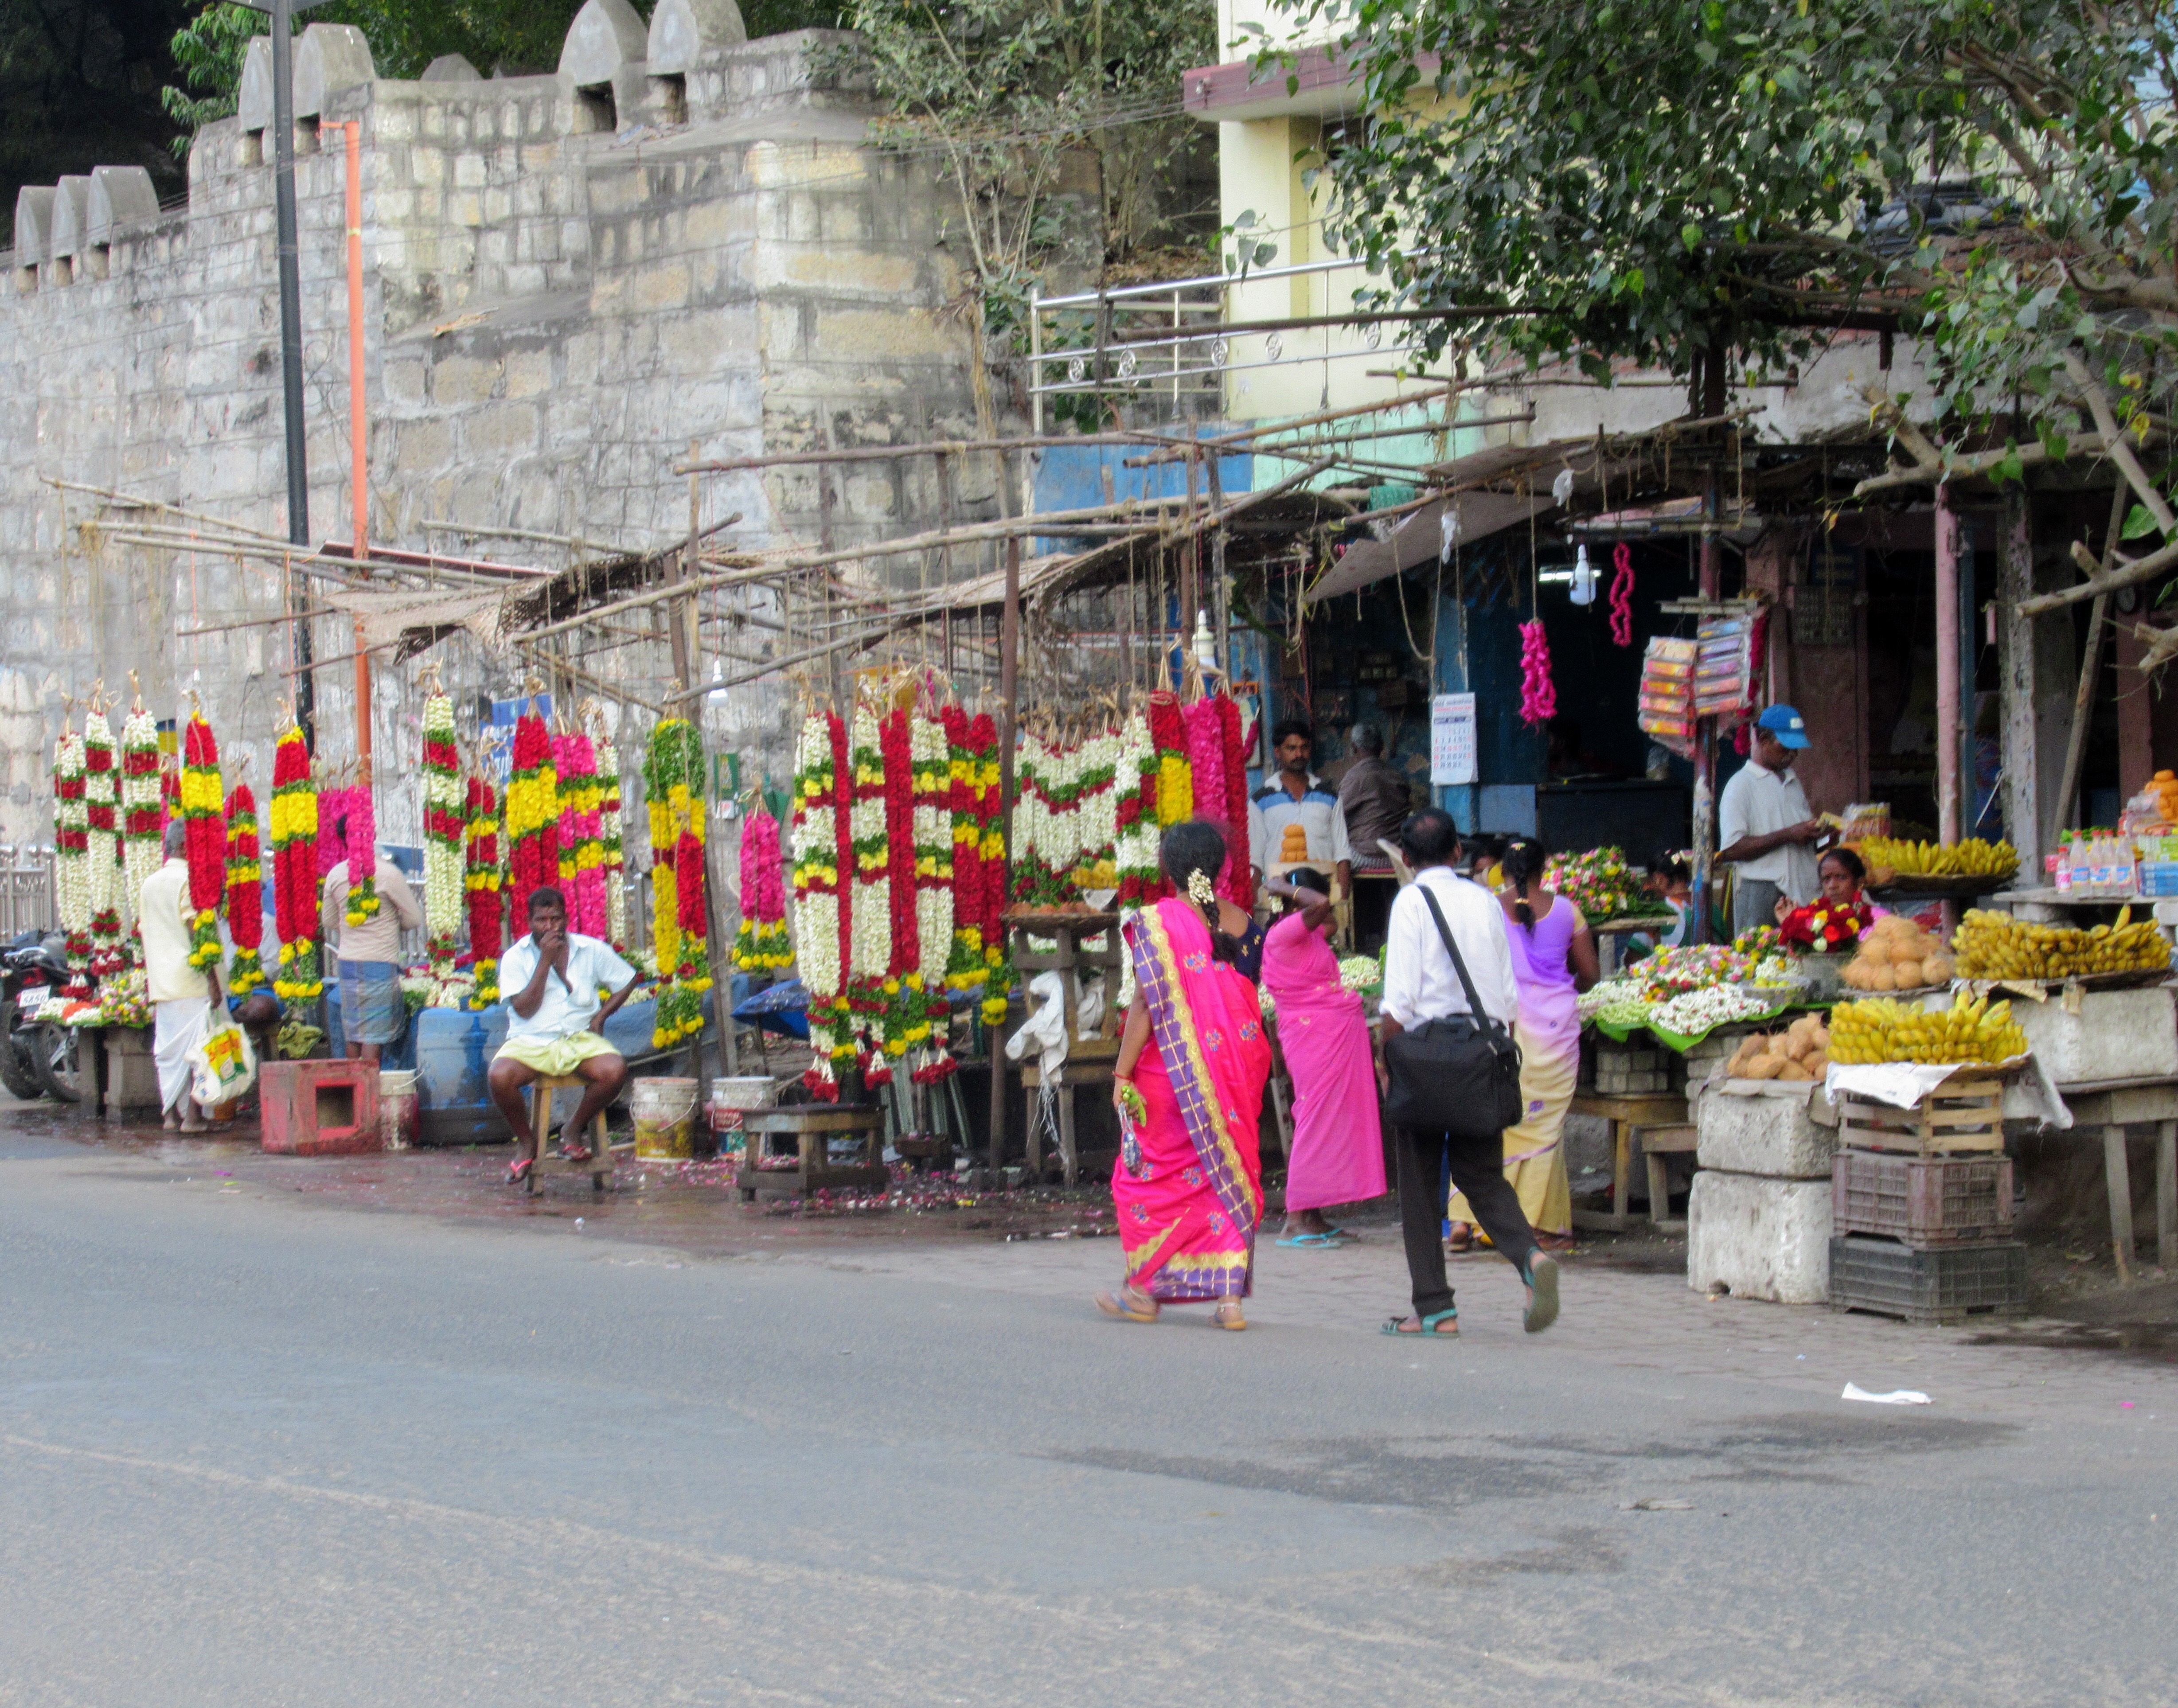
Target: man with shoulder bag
{"points": [[1452, 1075]]}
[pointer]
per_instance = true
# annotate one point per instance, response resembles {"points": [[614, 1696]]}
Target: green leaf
{"points": [[1690, 234], [2137, 523]]}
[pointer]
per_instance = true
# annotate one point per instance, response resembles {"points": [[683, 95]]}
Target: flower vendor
{"points": [[553, 978], [184, 991], [367, 945], [1835, 920]]}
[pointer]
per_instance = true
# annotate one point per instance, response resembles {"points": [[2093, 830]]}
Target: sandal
{"points": [[1428, 1329], [1126, 1308], [576, 1152], [1314, 1242], [518, 1171], [1542, 1293], [1228, 1316], [1461, 1239]]}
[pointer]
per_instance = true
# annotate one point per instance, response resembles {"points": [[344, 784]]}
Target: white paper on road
{"points": [[1897, 1396]]}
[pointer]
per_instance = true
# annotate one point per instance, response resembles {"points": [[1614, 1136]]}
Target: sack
{"points": [[222, 1066], [1460, 1074]]}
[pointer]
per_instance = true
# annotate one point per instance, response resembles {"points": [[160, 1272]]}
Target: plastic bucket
{"points": [[733, 1098], [399, 1108], [664, 1111]]}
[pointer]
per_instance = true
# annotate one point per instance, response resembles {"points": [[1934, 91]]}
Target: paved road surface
{"points": [[258, 1449]]}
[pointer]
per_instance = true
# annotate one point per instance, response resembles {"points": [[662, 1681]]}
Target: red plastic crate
{"points": [[319, 1109], [1922, 1202]]}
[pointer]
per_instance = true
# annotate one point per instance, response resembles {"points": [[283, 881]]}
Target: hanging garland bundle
{"points": [[1240, 880], [1539, 695], [1176, 786], [295, 873], [971, 745], [482, 882], [933, 889], [1097, 806], [869, 951], [533, 816], [102, 828], [1205, 763], [203, 812], [142, 820], [692, 886], [1136, 819], [761, 945], [823, 875], [1622, 596], [245, 893], [332, 814], [445, 827], [362, 855], [672, 780], [906, 1025], [71, 861], [612, 846], [582, 834]]}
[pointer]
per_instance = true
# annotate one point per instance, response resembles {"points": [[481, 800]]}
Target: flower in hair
{"points": [[1201, 889]]}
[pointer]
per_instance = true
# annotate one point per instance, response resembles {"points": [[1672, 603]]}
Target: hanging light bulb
{"points": [[1205, 643], [1584, 577]]}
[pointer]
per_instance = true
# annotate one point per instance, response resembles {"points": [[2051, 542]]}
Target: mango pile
{"points": [[1973, 858], [1995, 945], [1880, 1030]]}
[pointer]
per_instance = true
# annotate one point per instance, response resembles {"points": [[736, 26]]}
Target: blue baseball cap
{"points": [[1784, 723]]}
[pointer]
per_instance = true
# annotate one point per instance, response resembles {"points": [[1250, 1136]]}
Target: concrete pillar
{"points": [[682, 31], [34, 220], [253, 99], [329, 57], [120, 196]]}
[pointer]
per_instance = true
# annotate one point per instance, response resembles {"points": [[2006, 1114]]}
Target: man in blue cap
{"points": [[1765, 827]]}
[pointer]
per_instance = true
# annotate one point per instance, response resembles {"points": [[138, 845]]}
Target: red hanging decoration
{"points": [[1539, 695], [1622, 596]]}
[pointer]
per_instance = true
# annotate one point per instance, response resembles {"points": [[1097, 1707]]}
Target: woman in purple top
{"points": [[1553, 961]]}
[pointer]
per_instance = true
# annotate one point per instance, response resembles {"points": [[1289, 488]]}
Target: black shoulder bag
{"points": [[1460, 1074]]}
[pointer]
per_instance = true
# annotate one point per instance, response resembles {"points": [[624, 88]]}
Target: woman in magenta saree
{"points": [[1189, 1085]]}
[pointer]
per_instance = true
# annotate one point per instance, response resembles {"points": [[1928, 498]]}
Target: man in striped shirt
{"points": [[1296, 795]]}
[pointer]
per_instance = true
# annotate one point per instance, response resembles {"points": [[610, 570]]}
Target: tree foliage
{"points": [[1657, 180]]}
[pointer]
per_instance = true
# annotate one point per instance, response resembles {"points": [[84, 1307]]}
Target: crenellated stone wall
{"points": [[569, 281]]}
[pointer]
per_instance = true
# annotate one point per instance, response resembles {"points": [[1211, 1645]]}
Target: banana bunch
{"points": [[1880, 1030], [1971, 859], [1995, 945]]}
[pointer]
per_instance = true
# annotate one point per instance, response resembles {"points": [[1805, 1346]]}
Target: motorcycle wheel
{"points": [[58, 1062], [16, 1072]]}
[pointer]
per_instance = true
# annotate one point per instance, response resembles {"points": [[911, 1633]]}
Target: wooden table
{"points": [[2113, 1105], [810, 1128], [1088, 1066], [1661, 1125]]}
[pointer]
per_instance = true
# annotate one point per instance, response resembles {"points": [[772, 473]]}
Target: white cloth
{"points": [[379, 937], [1756, 802], [1420, 981], [566, 1007], [178, 1026], [1317, 812], [165, 922]]}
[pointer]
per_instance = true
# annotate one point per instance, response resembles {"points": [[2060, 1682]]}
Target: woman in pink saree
{"points": [[1188, 1087], [1323, 1032]]}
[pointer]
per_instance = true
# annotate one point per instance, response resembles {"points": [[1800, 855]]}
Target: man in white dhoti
{"points": [[183, 998]]}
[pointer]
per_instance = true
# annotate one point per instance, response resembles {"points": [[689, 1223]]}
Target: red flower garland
{"points": [[245, 892], [899, 841], [205, 833], [1241, 881]]}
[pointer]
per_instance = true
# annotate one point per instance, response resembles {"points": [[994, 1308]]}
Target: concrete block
{"points": [[253, 105], [464, 379], [66, 237], [120, 195], [1764, 1132], [34, 220], [503, 429], [2115, 1035], [1757, 1238], [451, 67], [329, 57], [606, 36], [682, 31]]}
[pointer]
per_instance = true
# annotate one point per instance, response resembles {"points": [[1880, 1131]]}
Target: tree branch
{"points": [[2119, 451]]}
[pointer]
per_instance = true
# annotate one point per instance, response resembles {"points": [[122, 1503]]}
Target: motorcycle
{"points": [[36, 1059]]}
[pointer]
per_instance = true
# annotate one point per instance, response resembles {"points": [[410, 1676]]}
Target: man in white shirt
{"points": [[556, 1025], [1764, 826], [183, 998], [1296, 795], [368, 953], [1420, 985]]}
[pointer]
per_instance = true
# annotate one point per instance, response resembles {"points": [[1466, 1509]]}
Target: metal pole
{"points": [[358, 437], [291, 344], [1009, 658], [1711, 578], [1947, 667]]}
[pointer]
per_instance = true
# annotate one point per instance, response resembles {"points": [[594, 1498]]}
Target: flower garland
{"points": [[482, 882], [444, 828], [612, 845], [71, 861], [673, 785], [931, 753], [906, 1024], [245, 893], [1096, 796], [1539, 695], [142, 819], [1136, 816], [998, 945], [203, 813], [582, 838], [103, 846], [971, 747], [1622, 596], [532, 813], [869, 951], [1205, 724], [1175, 796], [295, 875], [332, 813], [824, 874], [761, 945], [362, 855]]}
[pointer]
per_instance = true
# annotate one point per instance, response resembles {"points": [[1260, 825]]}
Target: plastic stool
{"points": [[600, 1166]]}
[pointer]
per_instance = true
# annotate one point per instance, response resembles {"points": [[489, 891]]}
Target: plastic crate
{"points": [[1965, 1113], [1924, 1202], [2159, 879], [1947, 1285]]}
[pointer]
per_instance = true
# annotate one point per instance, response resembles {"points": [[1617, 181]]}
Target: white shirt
{"points": [[565, 1008], [1317, 812], [1420, 981], [163, 916], [1756, 802]]}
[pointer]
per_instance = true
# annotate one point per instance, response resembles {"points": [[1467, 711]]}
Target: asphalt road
{"points": [[256, 1450]]}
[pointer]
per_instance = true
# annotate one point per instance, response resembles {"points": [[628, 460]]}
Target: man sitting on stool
{"points": [[556, 1025]]}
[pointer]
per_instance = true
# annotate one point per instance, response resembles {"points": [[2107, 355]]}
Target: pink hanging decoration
{"points": [[333, 805], [1622, 596], [1539, 696], [1205, 760], [582, 831]]}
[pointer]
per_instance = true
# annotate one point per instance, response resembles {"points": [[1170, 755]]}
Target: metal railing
{"points": [[29, 901]]}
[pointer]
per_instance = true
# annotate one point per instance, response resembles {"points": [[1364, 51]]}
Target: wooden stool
{"points": [[1630, 1118], [600, 1166], [1656, 1144], [809, 1128]]}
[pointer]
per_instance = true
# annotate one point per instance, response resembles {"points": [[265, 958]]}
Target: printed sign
{"points": [[1452, 739]]}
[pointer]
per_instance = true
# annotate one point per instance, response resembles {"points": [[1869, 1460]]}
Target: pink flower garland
{"points": [[1206, 759], [764, 887], [1622, 596], [582, 833], [333, 804], [1539, 695]]}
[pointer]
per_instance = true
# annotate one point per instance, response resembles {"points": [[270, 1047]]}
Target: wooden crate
{"points": [[1966, 1112]]}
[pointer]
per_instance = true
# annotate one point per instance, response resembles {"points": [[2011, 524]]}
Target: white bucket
{"points": [[733, 1098], [664, 1112], [399, 1108]]}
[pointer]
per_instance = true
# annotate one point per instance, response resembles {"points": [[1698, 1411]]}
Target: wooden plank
{"points": [[2117, 1176], [1669, 1141], [1661, 1110], [2166, 1195], [813, 1119]]}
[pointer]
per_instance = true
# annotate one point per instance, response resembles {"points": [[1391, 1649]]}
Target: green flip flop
{"points": [[1429, 1329]]}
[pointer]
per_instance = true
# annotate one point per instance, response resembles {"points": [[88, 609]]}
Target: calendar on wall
{"points": [[1451, 739]]}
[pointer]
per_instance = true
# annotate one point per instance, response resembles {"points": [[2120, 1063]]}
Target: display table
{"points": [[1660, 1124], [810, 1128], [2112, 1106], [2051, 905]]}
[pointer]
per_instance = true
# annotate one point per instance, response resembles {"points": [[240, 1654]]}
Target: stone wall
{"points": [[569, 281]]}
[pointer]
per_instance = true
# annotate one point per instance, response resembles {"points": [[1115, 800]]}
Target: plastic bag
{"points": [[222, 1067]]}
